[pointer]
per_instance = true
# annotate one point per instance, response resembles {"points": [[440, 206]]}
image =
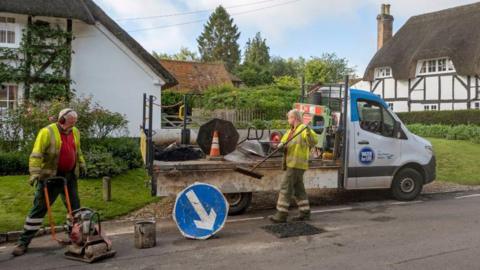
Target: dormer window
{"points": [[383, 72], [9, 36], [435, 66]]}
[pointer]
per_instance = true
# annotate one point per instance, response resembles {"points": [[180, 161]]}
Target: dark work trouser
{"points": [[35, 217], [293, 187]]}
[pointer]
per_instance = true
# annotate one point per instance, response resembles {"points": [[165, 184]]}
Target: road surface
{"points": [[438, 231]]}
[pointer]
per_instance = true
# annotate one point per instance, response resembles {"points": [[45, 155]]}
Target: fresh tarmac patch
{"points": [[292, 229]]}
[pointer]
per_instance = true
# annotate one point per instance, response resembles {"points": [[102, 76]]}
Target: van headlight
{"points": [[429, 148]]}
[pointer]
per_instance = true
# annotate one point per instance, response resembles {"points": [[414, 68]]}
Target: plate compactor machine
{"points": [[87, 243]]}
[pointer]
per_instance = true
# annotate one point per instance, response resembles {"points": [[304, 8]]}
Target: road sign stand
{"points": [[200, 211]]}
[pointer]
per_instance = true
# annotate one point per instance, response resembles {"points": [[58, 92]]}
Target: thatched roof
{"points": [[88, 12], [196, 76], [448, 33]]}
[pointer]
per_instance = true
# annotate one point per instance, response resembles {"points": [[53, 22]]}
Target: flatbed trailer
{"points": [[173, 176]]}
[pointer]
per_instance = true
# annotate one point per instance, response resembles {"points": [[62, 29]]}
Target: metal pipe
{"points": [[344, 134], [150, 146]]}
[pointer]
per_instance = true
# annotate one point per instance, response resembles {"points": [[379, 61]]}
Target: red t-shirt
{"points": [[68, 153]]}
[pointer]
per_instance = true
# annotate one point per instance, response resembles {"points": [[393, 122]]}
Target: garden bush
{"points": [[451, 118], [13, 163]]}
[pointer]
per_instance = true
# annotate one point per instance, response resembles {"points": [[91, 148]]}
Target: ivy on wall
{"points": [[41, 62]]}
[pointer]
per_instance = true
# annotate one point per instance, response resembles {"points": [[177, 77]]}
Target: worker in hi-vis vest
{"points": [[56, 152], [295, 161]]}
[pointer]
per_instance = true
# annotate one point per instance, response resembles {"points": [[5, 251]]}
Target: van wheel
{"points": [[238, 202], [407, 184]]}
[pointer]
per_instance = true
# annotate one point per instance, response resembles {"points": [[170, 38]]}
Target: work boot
{"points": [[19, 250], [279, 217], [304, 216]]}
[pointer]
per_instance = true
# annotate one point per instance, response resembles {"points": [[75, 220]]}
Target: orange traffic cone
{"points": [[215, 148]]}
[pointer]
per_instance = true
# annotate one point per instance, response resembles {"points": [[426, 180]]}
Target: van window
{"points": [[375, 118]]}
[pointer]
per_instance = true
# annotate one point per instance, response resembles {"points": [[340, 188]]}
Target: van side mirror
{"points": [[397, 130]]}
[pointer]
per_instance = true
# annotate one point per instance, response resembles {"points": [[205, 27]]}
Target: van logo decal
{"points": [[366, 156]]}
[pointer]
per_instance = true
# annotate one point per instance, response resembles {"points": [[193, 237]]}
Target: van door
{"points": [[377, 152]]}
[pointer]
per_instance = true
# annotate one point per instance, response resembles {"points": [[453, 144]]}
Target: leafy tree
{"points": [[257, 51], [328, 68], [219, 39], [337, 67], [254, 74], [316, 71], [287, 67], [185, 54]]}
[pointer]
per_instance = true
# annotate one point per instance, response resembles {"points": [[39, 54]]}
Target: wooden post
{"points": [[107, 189]]}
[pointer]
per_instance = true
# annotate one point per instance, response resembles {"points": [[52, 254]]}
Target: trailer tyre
{"points": [[407, 184], [238, 202]]}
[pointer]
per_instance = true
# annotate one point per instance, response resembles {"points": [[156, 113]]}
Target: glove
{"points": [[33, 179], [83, 170], [280, 145]]}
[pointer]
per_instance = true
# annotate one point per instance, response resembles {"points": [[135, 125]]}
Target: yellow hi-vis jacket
{"points": [[298, 150], [44, 158]]}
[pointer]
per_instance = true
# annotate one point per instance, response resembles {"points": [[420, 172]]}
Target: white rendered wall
{"points": [[104, 68]]}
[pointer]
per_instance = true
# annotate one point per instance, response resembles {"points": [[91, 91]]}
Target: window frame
{"points": [[8, 100], [10, 26], [430, 107], [383, 72], [432, 66], [383, 110]]}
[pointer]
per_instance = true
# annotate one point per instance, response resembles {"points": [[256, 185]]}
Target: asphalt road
{"points": [[438, 231]]}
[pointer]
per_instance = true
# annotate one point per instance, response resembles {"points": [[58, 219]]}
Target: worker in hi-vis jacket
{"points": [[295, 161], [56, 152]]}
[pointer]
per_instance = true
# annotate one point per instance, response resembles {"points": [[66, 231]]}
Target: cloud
{"points": [[275, 22]]}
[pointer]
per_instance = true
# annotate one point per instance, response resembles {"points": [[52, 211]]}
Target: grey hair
{"points": [[295, 113], [67, 113]]}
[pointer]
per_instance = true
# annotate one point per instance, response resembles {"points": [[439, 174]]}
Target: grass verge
{"points": [[457, 161], [128, 193]]}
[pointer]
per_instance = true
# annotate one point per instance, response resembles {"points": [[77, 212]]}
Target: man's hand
{"points": [[83, 170], [33, 179]]}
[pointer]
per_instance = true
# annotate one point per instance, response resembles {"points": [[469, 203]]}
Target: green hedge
{"points": [[459, 132], [451, 118], [12, 163], [104, 157]]}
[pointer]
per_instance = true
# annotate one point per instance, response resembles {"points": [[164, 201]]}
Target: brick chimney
{"points": [[384, 26]]}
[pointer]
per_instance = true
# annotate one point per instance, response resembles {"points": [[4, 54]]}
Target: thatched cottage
{"points": [[431, 63]]}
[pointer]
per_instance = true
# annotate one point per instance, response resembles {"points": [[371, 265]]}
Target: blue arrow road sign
{"points": [[200, 211]]}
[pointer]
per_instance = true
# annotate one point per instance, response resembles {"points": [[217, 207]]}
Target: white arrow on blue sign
{"points": [[200, 211]]}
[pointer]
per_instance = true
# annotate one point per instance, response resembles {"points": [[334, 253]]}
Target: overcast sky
{"points": [[292, 27]]}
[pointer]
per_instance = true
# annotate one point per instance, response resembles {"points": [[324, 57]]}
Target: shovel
{"points": [[251, 173]]}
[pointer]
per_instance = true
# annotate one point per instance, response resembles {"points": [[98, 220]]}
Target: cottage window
{"points": [[435, 66], [8, 32], [8, 97], [477, 105], [383, 72], [432, 107]]}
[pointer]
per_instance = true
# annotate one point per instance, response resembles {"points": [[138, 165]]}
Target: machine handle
{"points": [[363, 142]]}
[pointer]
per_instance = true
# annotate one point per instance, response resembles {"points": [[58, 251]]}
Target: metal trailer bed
{"points": [[173, 176]]}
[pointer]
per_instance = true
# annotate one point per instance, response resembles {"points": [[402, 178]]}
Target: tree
{"points": [[316, 71], [328, 68], [257, 51], [219, 39], [287, 67], [253, 74], [185, 54], [337, 67]]}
